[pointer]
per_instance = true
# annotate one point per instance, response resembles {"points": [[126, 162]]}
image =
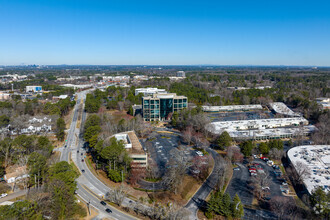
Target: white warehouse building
{"points": [[315, 158], [262, 129]]}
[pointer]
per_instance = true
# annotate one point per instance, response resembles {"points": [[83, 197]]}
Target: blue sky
{"points": [[235, 32]]}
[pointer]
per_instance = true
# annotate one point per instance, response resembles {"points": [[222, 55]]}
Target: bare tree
{"points": [[322, 136], [260, 184], [282, 206], [302, 171], [153, 170], [173, 177], [117, 195], [188, 134], [276, 153]]}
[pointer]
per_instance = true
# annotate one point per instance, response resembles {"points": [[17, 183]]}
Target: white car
{"points": [[3, 195]]}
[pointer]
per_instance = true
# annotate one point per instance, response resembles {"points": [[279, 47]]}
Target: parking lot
{"points": [[242, 178], [164, 146]]}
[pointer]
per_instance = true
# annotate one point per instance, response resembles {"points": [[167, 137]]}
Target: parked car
{"points": [[236, 168], [265, 188]]}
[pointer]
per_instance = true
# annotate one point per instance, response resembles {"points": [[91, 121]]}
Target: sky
{"points": [[171, 32]]}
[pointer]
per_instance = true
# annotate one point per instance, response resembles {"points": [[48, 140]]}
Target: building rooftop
{"points": [[131, 142], [231, 108], [317, 159], [281, 108], [256, 124], [164, 96]]}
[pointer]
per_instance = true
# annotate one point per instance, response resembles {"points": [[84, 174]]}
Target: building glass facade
{"points": [[158, 107]]}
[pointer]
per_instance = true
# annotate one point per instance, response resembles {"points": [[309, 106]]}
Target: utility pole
{"points": [[89, 211]]}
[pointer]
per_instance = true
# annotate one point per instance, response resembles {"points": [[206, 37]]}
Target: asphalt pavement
{"points": [[89, 187], [198, 200]]}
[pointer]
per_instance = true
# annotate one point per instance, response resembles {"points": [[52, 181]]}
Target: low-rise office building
{"points": [[134, 148], [231, 108], [315, 158], [159, 106], [262, 129], [281, 108]]}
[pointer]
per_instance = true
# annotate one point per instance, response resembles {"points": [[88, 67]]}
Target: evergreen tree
{"points": [[223, 140], [237, 207]]}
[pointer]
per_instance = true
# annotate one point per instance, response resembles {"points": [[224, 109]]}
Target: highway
{"points": [[89, 188]]}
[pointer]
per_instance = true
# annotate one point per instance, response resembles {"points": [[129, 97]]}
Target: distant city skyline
{"points": [[99, 32]]}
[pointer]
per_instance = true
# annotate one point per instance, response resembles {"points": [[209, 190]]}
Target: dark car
{"points": [[82, 154], [64, 145], [103, 203], [77, 151], [82, 160], [83, 171], [108, 210]]}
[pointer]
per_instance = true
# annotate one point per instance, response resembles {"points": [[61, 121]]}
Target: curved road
{"points": [[89, 187]]}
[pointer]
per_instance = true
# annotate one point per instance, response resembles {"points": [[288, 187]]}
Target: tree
{"points": [[117, 195], [130, 110], [302, 171], [224, 140], [91, 131], [64, 172], [282, 206], [246, 148], [114, 175], [92, 120], [320, 202], [237, 207], [188, 134], [263, 148], [4, 121], [20, 210], [60, 127], [37, 167], [136, 174]]}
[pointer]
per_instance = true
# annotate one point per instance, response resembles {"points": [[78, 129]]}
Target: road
{"points": [[198, 200], [13, 196], [89, 188]]}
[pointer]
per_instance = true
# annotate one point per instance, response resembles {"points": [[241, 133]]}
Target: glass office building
{"points": [[158, 106]]}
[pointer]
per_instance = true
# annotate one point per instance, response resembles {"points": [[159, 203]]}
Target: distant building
{"points": [[134, 148], [33, 88], [180, 74], [158, 106], [4, 96], [323, 102], [149, 91]]}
